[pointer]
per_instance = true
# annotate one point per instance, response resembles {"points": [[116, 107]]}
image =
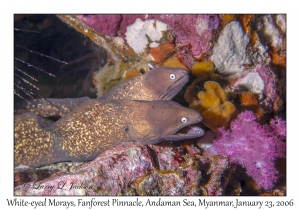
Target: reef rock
{"points": [[135, 169], [193, 30], [105, 24], [229, 53]]}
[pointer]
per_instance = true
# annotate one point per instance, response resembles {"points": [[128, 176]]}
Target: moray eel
{"points": [[50, 107], [161, 83], [96, 125]]}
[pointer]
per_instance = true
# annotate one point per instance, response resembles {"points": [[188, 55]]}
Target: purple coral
{"points": [[253, 146]]}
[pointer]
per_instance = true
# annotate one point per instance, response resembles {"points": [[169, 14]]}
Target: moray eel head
{"points": [[166, 118], [165, 82]]}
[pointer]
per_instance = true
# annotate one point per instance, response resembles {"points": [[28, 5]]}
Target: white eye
{"points": [[184, 119], [172, 76]]}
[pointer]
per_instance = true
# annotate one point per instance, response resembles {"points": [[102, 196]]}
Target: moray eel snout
{"points": [[161, 83], [166, 82], [171, 118]]}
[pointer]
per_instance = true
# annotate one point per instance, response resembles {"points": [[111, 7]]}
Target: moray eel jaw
{"points": [[167, 118], [194, 132], [182, 118]]}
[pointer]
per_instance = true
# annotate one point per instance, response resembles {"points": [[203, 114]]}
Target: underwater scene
{"points": [[150, 104]]}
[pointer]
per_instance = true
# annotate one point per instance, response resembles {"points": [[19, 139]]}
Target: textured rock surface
{"points": [[133, 169], [105, 24], [193, 30], [229, 53]]}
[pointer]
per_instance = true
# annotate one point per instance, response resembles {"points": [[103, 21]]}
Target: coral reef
{"points": [[193, 30], [237, 63], [133, 36], [134, 169], [253, 146], [215, 108]]}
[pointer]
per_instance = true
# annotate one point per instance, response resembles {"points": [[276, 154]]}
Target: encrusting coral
{"points": [[203, 71], [174, 62], [217, 111], [213, 106]]}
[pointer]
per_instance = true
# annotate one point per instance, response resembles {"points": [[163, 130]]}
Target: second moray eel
{"points": [[97, 125], [161, 83]]}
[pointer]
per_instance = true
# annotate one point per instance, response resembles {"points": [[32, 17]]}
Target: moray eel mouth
{"points": [[188, 132]]}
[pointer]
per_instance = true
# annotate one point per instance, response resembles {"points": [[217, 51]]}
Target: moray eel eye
{"points": [[172, 76], [184, 120]]}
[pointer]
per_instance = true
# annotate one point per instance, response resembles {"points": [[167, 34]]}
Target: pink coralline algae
{"points": [[128, 20], [104, 24], [194, 33], [272, 89], [193, 30], [128, 169], [108, 174], [253, 146]]}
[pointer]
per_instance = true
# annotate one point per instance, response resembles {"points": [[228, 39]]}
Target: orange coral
{"points": [[131, 73], [279, 60], [174, 62], [161, 52], [213, 106], [213, 96], [204, 68], [245, 20], [250, 101], [226, 19]]}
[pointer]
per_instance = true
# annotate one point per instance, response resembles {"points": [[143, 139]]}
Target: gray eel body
{"points": [[98, 124]]}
